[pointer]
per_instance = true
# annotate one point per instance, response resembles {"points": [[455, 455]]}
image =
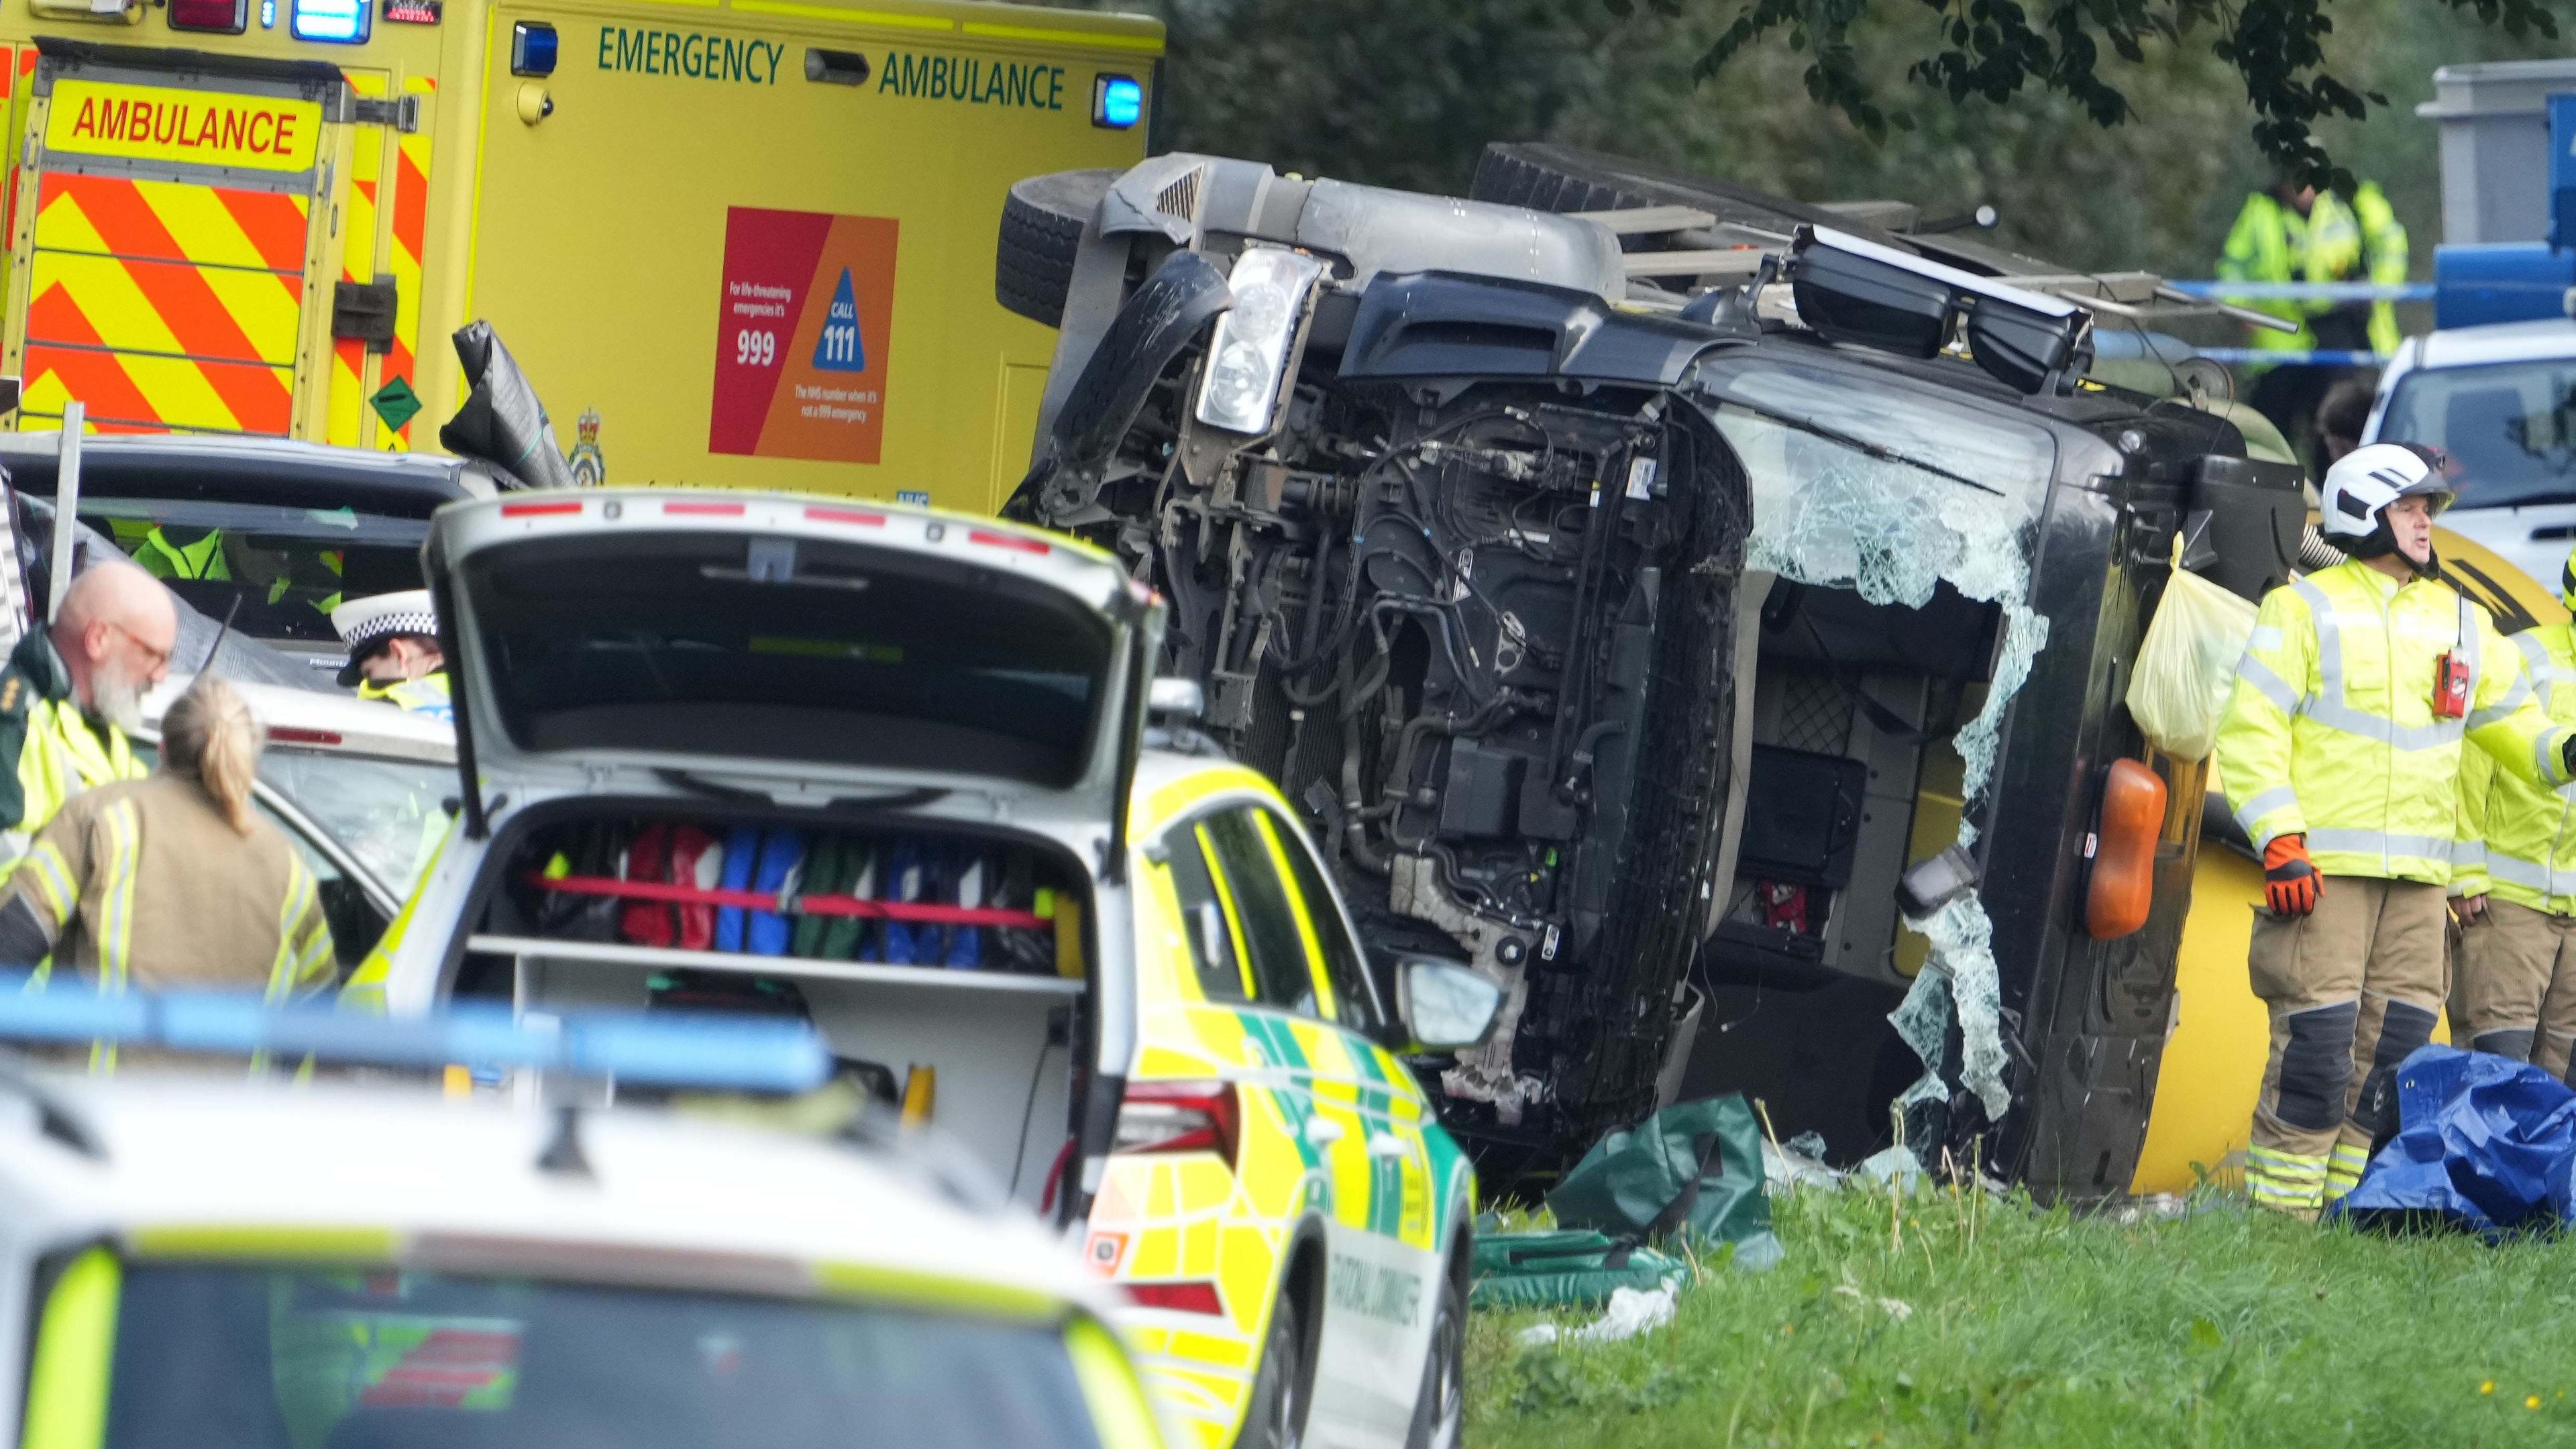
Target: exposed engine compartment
{"points": [[1481, 634]]}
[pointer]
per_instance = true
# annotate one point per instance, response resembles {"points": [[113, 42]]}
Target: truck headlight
{"points": [[1249, 355]]}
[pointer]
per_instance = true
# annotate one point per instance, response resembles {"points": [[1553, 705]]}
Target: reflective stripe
{"points": [[2468, 853], [2328, 707], [116, 917], [2264, 804], [2549, 755], [2530, 875], [2514, 699], [2385, 846], [2537, 666], [2268, 683], [51, 876], [2266, 637]]}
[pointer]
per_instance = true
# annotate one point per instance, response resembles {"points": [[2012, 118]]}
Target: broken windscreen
{"points": [[715, 647], [1864, 481]]}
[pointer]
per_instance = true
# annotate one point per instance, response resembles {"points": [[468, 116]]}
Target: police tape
{"points": [[709, 1050], [2308, 291], [2320, 357]]}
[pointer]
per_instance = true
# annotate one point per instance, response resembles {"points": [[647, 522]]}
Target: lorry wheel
{"points": [[1440, 1410], [1042, 222], [1512, 176], [1275, 1417]]}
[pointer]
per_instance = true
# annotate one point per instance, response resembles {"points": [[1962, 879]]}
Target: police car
{"points": [[210, 1261], [884, 768]]}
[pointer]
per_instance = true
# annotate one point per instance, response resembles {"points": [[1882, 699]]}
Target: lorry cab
{"points": [[887, 769], [1690, 606], [267, 217]]}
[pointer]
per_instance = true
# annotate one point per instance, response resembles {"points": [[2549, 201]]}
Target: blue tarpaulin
{"points": [[2483, 1143]]}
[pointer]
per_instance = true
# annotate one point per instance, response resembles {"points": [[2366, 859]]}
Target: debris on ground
{"points": [[2484, 1143], [1576, 1268], [1632, 1311]]}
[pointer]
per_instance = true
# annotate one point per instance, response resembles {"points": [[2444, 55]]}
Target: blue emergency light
{"points": [[1117, 102], [706, 1050], [532, 48], [334, 22]]}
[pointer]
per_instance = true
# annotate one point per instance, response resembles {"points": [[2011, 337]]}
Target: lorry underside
{"points": [[1481, 633]]}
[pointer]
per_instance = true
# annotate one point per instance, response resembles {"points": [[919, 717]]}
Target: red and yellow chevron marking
{"points": [[163, 305], [349, 386], [403, 259]]}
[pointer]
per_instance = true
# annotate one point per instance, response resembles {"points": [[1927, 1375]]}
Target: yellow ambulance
{"points": [[733, 242]]}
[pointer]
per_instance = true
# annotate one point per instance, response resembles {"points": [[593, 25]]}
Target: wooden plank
{"points": [[1725, 262]]}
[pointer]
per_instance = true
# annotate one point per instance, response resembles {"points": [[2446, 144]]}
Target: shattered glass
{"points": [[1889, 492]]}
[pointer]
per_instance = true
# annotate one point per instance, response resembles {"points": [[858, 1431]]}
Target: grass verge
{"points": [[1938, 1319]]}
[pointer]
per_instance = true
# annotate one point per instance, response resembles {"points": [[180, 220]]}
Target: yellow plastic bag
{"points": [[2187, 666]]}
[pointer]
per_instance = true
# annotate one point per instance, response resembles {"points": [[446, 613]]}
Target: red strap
{"points": [[689, 895]]}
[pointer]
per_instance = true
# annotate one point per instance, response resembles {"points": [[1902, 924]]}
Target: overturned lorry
{"points": [[1705, 614]]}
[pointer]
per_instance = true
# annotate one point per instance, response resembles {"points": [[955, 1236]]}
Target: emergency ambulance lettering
{"points": [[181, 125], [973, 80], [692, 55]]}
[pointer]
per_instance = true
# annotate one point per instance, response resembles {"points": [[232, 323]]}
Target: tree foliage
{"points": [[1995, 49]]}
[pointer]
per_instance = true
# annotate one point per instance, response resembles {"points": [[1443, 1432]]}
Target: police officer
{"points": [[72, 692], [2515, 894], [2340, 755], [2296, 233], [393, 651]]}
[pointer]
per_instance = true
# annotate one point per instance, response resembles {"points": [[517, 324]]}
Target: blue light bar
{"points": [[1117, 102], [336, 22], [705, 1050]]}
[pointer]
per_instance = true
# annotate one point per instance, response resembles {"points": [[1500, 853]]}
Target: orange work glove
{"points": [[2291, 884]]}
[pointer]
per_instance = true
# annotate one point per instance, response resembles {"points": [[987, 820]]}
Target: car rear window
{"points": [[2510, 427], [719, 646], [260, 1358], [277, 573]]}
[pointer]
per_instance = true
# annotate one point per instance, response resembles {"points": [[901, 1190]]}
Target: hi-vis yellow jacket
{"points": [[2331, 732], [2515, 836]]}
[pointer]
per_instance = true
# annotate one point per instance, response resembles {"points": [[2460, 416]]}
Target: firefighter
{"points": [[174, 880], [2515, 894], [2340, 755], [393, 651], [2296, 233], [73, 692]]}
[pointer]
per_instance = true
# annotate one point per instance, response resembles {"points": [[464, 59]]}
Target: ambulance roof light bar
{"points": [[333, 22], [705, 1050]]}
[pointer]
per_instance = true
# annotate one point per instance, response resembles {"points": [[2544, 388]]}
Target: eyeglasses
{"points": [[160, 657]]}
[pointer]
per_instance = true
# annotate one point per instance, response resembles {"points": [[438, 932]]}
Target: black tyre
{"points": [[1546, 178], [1042, 222], [1276, 1416], [1440, 1410]]}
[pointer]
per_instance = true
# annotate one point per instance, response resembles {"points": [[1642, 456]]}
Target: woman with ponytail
{"points": [[174, 880]]}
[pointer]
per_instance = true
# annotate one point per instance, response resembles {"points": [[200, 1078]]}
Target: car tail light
{"points": [[540, 510], [216, 17], [1192, 1296], [295, 735], [859, 516], [702, 510], [1178, 1117], [1011, 541], [2123, 847]]}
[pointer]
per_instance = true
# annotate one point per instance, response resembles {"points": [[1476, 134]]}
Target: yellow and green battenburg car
{"points": [[890, 769], [202, 1261]]}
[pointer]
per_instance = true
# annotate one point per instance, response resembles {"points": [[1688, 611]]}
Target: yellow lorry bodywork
{"points": [[2213, 1061], [733, 242]]}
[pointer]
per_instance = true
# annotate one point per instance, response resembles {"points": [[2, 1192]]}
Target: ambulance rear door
{"points": [[172, 255]]}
